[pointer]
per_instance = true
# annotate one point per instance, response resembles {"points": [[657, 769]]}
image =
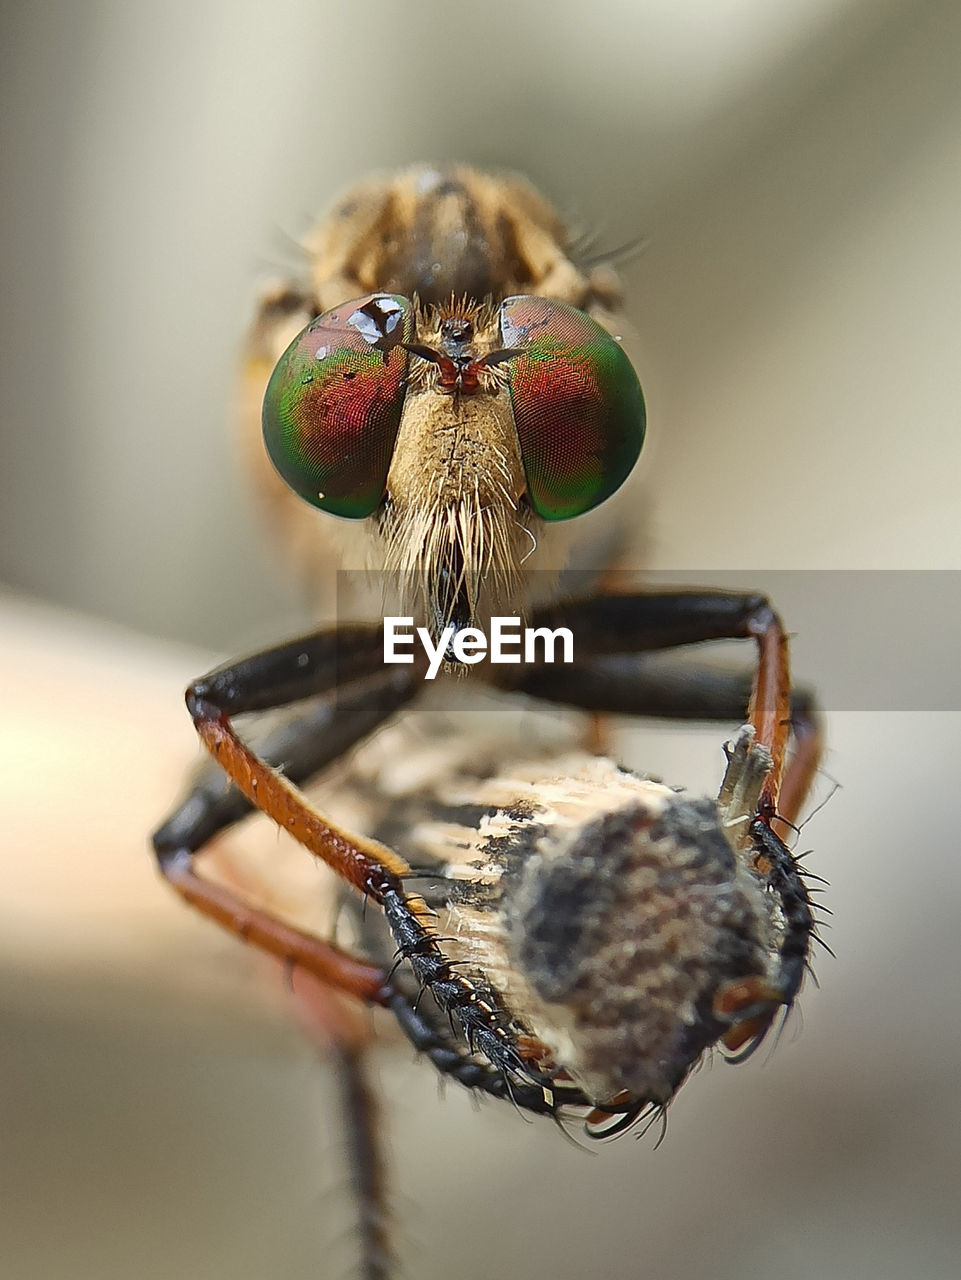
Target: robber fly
{"points": [[552, 930]]}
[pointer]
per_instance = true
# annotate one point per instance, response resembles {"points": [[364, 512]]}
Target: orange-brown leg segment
{"points": [[337, 968], [612, 635], [801, 769], [378, 873], [287, 674], [353, 694], [311, 667], [281, 676]]}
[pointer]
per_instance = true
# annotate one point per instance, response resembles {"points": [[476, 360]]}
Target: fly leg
{"points": [[330, 663], [613, 636], [634, 685], [613, 633], [360, 1113], [352, 693], [344, 666], [300, 745], [347, 1035]]}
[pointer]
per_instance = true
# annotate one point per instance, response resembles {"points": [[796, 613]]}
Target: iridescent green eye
{"points": [[577, 405], [333, 404]]}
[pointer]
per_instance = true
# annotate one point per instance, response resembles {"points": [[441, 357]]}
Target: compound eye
{"points": [[333, 404], [577, 404]]}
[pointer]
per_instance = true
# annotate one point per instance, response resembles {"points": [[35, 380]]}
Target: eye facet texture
{"points": [[334, 401], [577, 404]]}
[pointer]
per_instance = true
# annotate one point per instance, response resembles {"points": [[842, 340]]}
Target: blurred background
{"points": [[794, 173]]}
